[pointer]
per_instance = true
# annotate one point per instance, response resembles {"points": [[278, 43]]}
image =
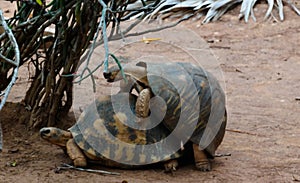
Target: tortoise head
{"points": [[137, 72], [113, 74], [55, 136]]}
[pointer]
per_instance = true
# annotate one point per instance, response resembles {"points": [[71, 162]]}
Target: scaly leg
{"points": [[76, 154], [142, 106], [201, 161], [171, 165]]}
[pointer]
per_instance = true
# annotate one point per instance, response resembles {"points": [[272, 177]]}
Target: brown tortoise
{"points": [[190, 94], [100, 136]]}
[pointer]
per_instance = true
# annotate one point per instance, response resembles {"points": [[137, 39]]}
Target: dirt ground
{"points": [[260, 63]]}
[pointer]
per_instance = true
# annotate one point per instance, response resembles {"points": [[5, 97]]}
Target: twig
{"points": [[102, 26], [121, 35], [105, 40], [65, 166], [92, 47], [150, 30], [292, 5], [15, 71], [91, 72], [17, 59], [219, 47], [44, 26], [124, 34], [222, 155], [242, 132], [8, 60]]}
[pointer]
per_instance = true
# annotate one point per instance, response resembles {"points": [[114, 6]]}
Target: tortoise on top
{"points": [[194, 102], [103, 135]]}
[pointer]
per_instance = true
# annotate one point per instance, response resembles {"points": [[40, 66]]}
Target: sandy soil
{"points": [[260, 63]]}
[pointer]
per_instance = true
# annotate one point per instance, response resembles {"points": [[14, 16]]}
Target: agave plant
{"points": [[213, 9]]}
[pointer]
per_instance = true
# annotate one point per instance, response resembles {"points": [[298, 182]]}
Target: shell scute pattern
{"points": [[209, 94], [99, 126]]}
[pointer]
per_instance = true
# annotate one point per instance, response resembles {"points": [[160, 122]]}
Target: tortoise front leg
{"points": [[142, 106], [202, 163], [76, 154]]}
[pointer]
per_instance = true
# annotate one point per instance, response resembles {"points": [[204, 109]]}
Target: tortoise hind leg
{"points": [[202, 163], [76, 154], [171, 165]]}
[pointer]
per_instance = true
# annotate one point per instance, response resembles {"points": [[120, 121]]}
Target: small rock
{"points": [[296, 178], [13, 150]]}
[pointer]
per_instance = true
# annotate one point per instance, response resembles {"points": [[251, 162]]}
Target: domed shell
{"points": [[195, 102], [105, 132]]}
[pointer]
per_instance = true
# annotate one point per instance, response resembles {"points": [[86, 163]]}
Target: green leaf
{"points": [[39, 2], [13, 164]]}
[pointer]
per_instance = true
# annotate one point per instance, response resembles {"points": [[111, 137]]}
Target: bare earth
{"points": [[260, 62]]}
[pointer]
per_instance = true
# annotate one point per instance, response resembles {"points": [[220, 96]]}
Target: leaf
{"points": [[13, 164], [39, 2]]}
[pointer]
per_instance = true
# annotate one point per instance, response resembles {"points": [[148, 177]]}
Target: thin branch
{"points": [[222, 155], [15, 71], [8, 60], [90, 73], [102, 26], [17, 57], [105, 40], [65, 166], [117, 37], [44, 26], [242, 132], [159, 28], [292, 5], [91, 50], [121, 35]]}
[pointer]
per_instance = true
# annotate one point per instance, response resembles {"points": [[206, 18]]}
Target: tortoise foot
{"points": [[202, 163], [171, 165], [75, 154], [80, 162], [204, 166]]}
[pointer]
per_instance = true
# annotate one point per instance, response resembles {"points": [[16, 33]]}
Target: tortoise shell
{"points": [[106, 133], [194, 100]]}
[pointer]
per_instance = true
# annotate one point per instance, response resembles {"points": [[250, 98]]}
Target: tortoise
{"points": [[103, 135], [194, 102]]}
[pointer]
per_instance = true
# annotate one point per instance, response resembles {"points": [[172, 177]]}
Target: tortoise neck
{"points": [[138, 73]]}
